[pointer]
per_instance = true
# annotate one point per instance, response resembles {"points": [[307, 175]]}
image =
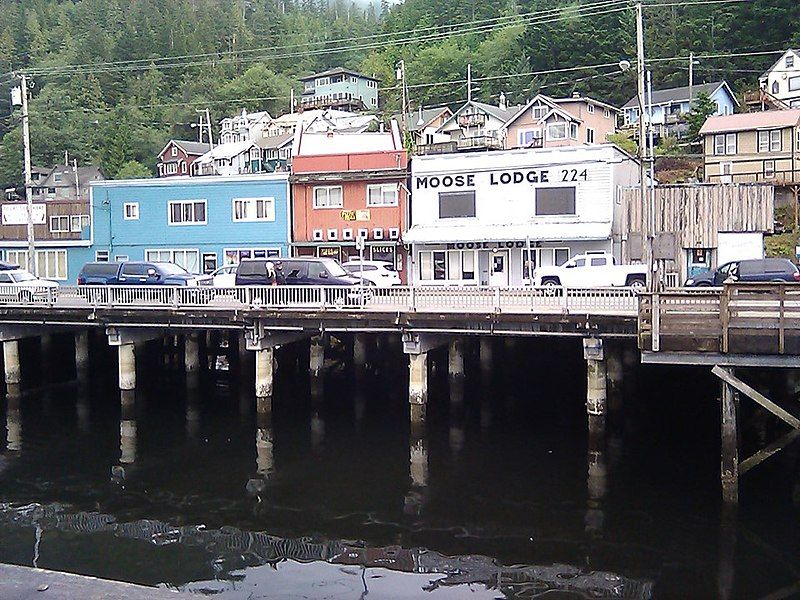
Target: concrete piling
{"points": [[264, 378], [596, 388], [729, 459], [264, 446], [316, 356], [418, 386], [486, 355], [455, 358], [127, 367], [192, 353], [11, 364], [82, 352], [360, 350], [13, 424]]}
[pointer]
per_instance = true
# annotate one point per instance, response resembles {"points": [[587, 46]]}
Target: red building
{"points": [[346, 185], [177, 157]]}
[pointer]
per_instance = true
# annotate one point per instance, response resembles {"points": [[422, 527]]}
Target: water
{"points": [[334, 497]]}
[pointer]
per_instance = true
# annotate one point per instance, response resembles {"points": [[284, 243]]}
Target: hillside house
{"points": [[339, 88], [177, 157], [782, 79]]}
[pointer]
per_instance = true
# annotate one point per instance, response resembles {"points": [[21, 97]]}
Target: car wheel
{"points": [[550, 286], [704, 284], [637, 285]]}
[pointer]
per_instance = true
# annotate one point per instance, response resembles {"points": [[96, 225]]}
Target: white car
{"points": [[592, 269], [22, 285], [381, 273], [224, 276]]}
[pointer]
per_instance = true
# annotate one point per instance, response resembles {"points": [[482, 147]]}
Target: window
{"points": [[794, 84], [542, 257], [57, 177], [253, 209], [328, 196], [769, 169], [453, 265], [382, 195], [776, 87], [78, 222], [528, 136], [573, 131], [589, 135], [726, 172], [187, 212], [51, 264], [555, 201], [121, 258], [174, 151], [172, 168], [769, 141], [188, 259], [101, 256], [719, 144], [606, 113], [537, 112], [59, 224], [725, 143], [557, 131], [590, 108], [233, 256], [456, 204], [790, 61], [19, 257], [130, 211], [323, 81]]}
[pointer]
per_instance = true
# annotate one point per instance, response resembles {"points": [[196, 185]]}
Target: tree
{"points": [[702, 108], [625, 142], [133, 170]]}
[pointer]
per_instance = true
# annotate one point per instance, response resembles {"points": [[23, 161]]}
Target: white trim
{"points": [[172, 252], [58, 219], [269, 209], [383, 188], [328, 189], [125, 206], [190, 180], [251, 249]]}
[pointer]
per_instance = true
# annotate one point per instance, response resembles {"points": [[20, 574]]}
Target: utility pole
{"points": [[691, 77], [26, 141], [401, 77], [208, 124], [647, 233], [469, 83]]}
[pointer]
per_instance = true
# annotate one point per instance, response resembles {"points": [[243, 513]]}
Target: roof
{"points": [[274, 141], [777, 62], [189, 147], [588, 100], [336, 142], [681, 94], [227, 150], [418, 119], [67, 177], [337, 71], [501, 114], [483, 232], [770, 119]]}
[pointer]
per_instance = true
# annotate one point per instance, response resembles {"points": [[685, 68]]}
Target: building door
{"points": [[498, 275]]}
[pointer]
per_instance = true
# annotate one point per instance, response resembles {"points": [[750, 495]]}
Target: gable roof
{"points": [[274, 142], [419, 119], [588, 100], [228, 151], [337, 142], [777, 62], [337, 71], [681, 94], [770, 119], [196, 148], [538, 98], [66, 175], [501, 114]]}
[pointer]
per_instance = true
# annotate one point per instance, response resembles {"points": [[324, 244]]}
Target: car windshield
{"points": [[172, 269], [334, 268], [20, 275]]}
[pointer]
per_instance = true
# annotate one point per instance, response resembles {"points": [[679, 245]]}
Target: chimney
{"points": [[502, 101], [576, 94]]}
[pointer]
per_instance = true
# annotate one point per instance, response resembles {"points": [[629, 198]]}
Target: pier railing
{"points": [[526, 300], [740, 318]]}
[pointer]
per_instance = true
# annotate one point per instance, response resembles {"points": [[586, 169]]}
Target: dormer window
{"points": [[537, 112], [57, 177], [790, 61]]}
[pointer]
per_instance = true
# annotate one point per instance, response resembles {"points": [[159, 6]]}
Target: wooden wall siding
{"points": [[42, 232], [695, 214]]}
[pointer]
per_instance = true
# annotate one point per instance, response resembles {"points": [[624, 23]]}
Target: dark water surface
{"points": [[334, 497]]}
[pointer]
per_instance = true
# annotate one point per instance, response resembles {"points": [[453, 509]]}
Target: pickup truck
{"points": [[593, 269], [139, 273]]}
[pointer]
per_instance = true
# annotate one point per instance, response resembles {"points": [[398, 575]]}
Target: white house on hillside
{"points": [[782, 80]]}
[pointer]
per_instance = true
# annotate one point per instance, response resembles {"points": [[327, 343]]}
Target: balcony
{"points": [[437, 148], [479, 142]]}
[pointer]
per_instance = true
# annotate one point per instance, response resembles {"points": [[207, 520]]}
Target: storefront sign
{"points": [[17, 214], [348, 215], [484, 245], [521, 176], [328, 251], [362, 215], [382, 249]]}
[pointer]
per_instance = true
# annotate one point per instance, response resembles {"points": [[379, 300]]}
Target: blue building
{"points": [[198, 223], [340, 88]]}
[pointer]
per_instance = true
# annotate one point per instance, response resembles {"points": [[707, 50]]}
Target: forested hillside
{"points": [[115, 79]]}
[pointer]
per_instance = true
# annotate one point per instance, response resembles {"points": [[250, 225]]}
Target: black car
{"points": [[754, 270], [135, 272], [294, 271]]}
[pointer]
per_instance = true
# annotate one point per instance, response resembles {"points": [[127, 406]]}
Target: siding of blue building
{"points": [[151, 236]]}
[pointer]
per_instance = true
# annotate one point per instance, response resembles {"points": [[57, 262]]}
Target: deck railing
{"points": [[439, 299], [740, 318]]}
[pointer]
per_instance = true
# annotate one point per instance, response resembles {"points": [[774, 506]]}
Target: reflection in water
{"points": [[264, 458], [232, 549], [127, 441], [13, 424], [457, 411]]}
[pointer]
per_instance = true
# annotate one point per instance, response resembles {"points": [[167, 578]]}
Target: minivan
{"points": [[294, 271], [753, 270]]}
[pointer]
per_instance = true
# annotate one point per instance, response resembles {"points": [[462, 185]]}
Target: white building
{"points": [[486, 218], [782, 80], [244, 126]]}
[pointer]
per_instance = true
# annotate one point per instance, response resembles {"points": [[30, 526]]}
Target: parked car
{"points": [[294, 271], [381, 273], [758, 269], [224, 276], [592, 269], [134, 272], [20, 284]]}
